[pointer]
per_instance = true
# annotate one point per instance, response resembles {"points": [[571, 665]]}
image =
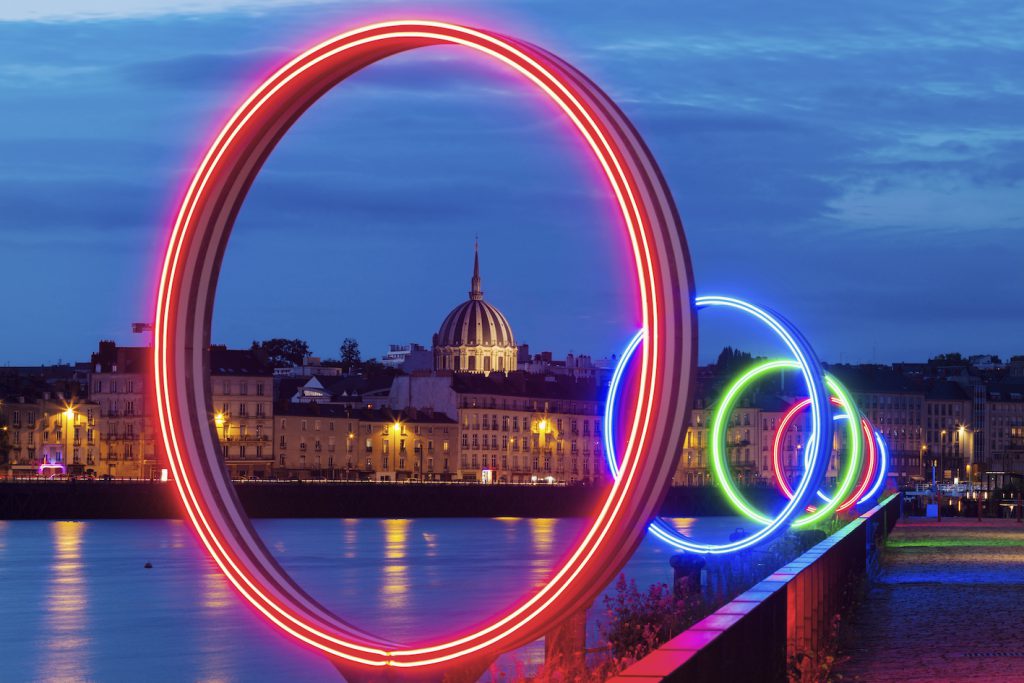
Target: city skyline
{"points": [[893, 170]]}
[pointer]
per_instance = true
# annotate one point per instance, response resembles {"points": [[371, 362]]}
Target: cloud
{"points": [[858, 167]]}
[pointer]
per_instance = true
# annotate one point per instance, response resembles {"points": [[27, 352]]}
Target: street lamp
{"points": [[961, 454], [395, 430]]}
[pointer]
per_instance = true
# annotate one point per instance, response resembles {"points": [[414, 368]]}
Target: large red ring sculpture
{"points": [[182, 337]]}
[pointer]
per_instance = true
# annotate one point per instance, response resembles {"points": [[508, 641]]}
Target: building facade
{"points": [[50, 436], [516, 428], [242, 389], [119, 383], [331, 441]]}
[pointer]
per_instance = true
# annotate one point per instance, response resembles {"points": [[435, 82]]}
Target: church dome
{"points": [[475, 336], [475, 323]]}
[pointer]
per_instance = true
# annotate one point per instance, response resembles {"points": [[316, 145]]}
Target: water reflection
{"points": [[542, 538], [349, 536], [78, 604], [395, 572], [218, 602], [64, 607]]}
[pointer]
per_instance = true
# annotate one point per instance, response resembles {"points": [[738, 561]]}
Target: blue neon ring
{"points": [[882, 466], [815, 471], [883, 469]]}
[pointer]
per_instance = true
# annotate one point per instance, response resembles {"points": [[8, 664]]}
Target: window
{"points": [[243, 388], [259, 388]]}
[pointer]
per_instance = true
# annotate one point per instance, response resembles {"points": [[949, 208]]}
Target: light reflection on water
{"points": [[65, 616], [78, 604], [396, 567]]}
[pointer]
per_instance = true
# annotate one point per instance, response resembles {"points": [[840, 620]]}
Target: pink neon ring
{"points": [[870, 462], [184, 308]]}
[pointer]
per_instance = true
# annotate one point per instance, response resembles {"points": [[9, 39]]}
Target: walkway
{"points": [[948, 606]]}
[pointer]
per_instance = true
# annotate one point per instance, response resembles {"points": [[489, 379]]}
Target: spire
{"points": [[475, 293]]}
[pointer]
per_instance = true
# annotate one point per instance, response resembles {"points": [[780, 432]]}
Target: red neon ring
{"points": [[869, 464], [182, 329]]}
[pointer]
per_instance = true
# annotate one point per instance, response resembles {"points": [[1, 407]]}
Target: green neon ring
{"points": [[718, 444]]}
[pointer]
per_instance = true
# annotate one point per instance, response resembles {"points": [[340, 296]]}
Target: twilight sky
{"points": [[859, 168]]}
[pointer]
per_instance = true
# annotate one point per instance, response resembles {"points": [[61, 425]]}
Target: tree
{"points": [[730, 359], [952, 358], [282, 353], [350, 356]]}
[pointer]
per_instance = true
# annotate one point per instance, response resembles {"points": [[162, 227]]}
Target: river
{"points": [[79, 605]]}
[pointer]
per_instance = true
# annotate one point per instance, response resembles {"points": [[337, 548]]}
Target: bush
{"points": [[638, 622]]}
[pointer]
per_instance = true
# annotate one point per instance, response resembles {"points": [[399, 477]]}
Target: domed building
{"points": [[475, 337]]}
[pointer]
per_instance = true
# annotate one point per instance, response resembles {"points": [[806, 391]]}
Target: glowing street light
{"points": [[218, 419]]}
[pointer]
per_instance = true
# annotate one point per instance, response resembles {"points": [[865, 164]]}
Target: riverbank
{"points": [[156, 500]]}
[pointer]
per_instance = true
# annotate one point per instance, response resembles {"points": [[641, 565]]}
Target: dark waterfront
{"points": [[80, 606]]}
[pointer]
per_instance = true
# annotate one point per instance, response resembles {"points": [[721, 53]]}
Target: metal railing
{"points": [[791, 612]]}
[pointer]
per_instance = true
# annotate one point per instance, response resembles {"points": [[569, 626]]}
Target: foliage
{"points": [[640, 621], [818, 666], [351, 358], [730, 359], [283, 353]]}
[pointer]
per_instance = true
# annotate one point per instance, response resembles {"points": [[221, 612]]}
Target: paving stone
{"points": [[948, 605]]}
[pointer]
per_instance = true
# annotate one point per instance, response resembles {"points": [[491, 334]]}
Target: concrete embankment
{"points": [[155, 500]]}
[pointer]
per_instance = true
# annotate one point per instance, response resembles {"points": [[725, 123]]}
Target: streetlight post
{"points": [[942, 474], [69, 424]]}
